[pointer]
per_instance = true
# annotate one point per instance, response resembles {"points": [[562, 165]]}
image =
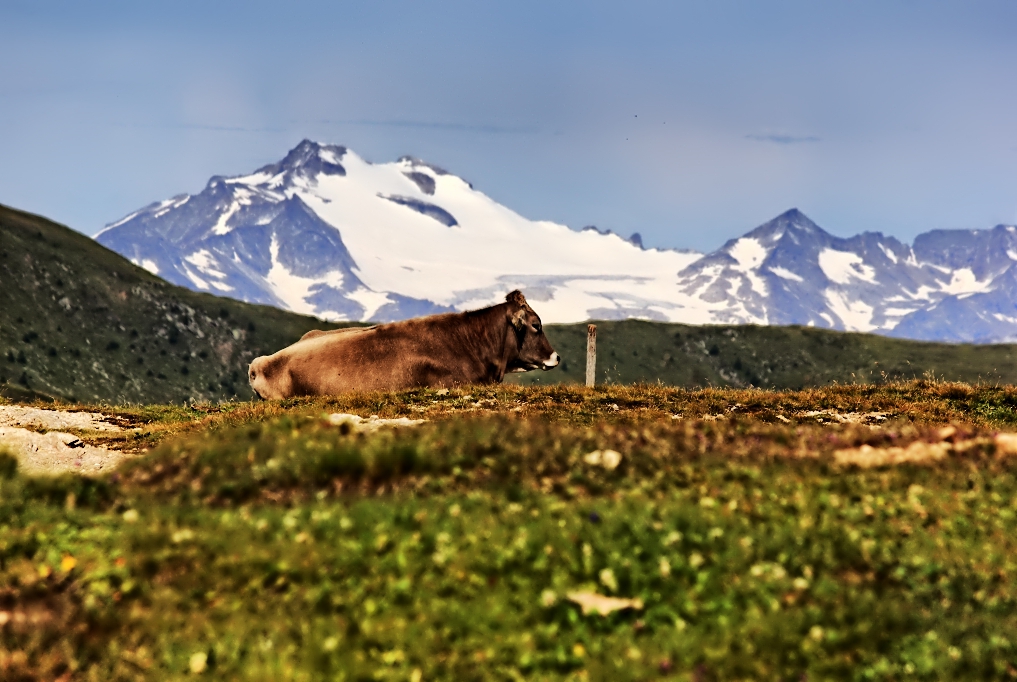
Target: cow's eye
{"points": [[536, 327]]}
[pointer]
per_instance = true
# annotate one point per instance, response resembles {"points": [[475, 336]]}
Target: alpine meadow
{"points": [[508, 342], [527, 533], [811, 503]]}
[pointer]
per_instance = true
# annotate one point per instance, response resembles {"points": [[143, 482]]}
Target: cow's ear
{"points": [[519, 319], [516, 297]]}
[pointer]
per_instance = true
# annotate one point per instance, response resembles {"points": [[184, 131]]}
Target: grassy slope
{"points": [[268, 544], [78, 321], [774, 357]]}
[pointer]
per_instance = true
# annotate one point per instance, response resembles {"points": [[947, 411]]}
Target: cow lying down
{"points": [[477, 347]]}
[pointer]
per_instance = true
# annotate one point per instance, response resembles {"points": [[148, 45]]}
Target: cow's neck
{"points": [[495, 340]]}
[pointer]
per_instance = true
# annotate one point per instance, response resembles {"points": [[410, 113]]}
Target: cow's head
{"points": [[534, 350]]}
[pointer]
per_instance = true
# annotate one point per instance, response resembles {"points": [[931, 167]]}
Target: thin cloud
{"points": [[783, 139], [389, 123], [228, 129], [438, 125], [196, 126]]}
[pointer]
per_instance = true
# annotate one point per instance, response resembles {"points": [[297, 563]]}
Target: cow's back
{"points": [[338, 363], [314, 333], [382, 358]]}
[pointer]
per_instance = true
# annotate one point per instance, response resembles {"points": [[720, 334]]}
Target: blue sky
{"points": [[689, 122]]}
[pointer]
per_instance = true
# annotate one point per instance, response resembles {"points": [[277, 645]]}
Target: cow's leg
{"points": [[426, 373]]}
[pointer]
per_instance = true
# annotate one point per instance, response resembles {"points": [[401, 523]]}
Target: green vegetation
{"points": [[79, 322], [633, 351], [260, 541], [263, 542], [917, 401]]}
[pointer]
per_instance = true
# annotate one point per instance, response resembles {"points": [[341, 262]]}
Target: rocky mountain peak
{"points": [[420, 163], [793, 221], [309, 159], [399, 239]]}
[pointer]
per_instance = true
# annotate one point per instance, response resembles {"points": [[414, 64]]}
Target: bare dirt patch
{"points": [[56, 452], [846, 418], [36, 437], [33, 417]]}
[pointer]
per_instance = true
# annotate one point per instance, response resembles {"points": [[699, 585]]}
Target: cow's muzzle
{"points": [[551, 362]]}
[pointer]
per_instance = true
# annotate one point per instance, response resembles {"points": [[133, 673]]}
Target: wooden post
{"points": [[591, 354]]}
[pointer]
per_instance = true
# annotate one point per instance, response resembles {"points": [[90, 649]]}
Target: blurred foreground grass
{"points": [[263, 542]]}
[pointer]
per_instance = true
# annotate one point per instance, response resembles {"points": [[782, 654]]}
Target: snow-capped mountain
{"points": [[327, 233], [976, 269], [952, 285]]}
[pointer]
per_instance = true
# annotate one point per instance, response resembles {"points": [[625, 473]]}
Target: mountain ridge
{"points": [[326, 233], [81, 323]]}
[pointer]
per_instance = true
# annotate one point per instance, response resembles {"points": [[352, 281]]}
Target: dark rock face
{"points": [[424, 208], [304, 244], [227, 239], [989, 317], [414, 161], [984, 251], [869, 282], [424, 181], [310, 158]]}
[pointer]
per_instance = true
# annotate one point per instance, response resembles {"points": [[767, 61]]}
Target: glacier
{"points": [[325, 232]]}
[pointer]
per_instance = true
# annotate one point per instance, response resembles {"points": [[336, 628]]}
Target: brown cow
{"points": [[477, 347], [314, 333]]}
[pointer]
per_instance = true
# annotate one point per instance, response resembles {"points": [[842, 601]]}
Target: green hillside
{"points": [[80, 322], [633, 351]]}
